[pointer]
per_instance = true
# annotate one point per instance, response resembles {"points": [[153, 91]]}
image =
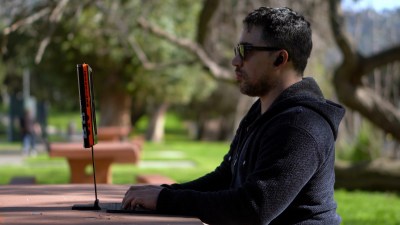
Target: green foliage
{"points": [[102, 35], [176, 85], [365, 147], [185, 79]]}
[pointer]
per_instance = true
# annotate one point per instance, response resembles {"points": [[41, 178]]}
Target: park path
{"points": [[15, 157]]}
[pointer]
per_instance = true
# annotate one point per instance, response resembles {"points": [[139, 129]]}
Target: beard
{"points": [[256, 87]]}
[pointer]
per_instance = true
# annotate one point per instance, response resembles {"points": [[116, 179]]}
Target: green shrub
{"points": [[365, 147]]}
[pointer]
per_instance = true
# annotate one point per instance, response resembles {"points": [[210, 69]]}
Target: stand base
{"points": [[95, 206]]}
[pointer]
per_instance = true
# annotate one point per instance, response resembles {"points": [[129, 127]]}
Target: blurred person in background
{"points": [[28, 131]]}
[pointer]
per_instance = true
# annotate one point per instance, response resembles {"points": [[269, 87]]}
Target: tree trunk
{"points": [[115, 109], [155, 130], [138, 109], [378, 175]]}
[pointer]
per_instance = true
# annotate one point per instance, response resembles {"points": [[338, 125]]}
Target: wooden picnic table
{"points": [[51, 204], [105, 154]]}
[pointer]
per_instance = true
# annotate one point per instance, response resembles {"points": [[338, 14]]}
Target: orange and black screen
{"points": [[86, 95]]}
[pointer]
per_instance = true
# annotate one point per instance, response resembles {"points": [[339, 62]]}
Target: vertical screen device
{"points": [[88, 113]]}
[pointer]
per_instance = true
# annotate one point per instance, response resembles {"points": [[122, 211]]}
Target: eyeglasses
{"points": [[242, 49]]}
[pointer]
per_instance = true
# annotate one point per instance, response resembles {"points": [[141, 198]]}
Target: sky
{"points": [[378, 5]]}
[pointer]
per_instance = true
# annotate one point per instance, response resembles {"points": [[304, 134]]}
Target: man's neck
{"points": [[269, 98]]}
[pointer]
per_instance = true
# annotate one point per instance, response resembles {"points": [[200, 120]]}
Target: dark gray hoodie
{"points": [[279, 169]]}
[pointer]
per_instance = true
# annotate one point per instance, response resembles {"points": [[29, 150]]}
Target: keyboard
{"points": [[117, 208]]}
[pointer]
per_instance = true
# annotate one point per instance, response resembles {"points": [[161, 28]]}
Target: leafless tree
{"points": [[348, 77]]}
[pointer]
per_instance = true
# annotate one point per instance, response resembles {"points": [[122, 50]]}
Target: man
{"points": [[280, 166]]}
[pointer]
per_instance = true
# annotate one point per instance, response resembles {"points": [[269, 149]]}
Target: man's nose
{"points": [[237, 61]]}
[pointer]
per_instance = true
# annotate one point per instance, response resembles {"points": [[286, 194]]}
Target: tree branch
{"points": [[378, 110], [26, 21], [347, 79], [382, 58], [336, 20], [216, 70], [55, 17], [130, 42]]}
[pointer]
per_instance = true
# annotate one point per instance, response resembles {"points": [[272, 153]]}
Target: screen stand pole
{"points": [[95, 206]]}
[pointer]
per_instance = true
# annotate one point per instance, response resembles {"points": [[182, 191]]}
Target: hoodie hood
{"points": [[306, 93]]}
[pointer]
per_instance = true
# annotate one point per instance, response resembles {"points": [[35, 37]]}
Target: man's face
{"points": [[255, 73]]}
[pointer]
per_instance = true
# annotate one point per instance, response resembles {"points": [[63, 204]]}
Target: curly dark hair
{"points": [[286, 29]]}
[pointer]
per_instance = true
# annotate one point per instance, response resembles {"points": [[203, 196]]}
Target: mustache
{"points": [[240, 72]]}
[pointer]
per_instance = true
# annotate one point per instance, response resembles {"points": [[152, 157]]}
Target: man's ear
{"points": [[278, 61], [283, 57]]}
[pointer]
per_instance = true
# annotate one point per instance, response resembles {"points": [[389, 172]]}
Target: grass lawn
{"points": [[198, 158], [368, 208]]}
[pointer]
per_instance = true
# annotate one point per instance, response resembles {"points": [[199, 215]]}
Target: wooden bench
{"points": [[153, 179], [105, 154]]}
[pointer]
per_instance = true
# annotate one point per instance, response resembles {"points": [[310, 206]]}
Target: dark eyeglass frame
{"points": [[242, 49]]}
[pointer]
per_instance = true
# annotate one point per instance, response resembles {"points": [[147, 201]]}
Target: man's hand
{"points": [[141, 196]]}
